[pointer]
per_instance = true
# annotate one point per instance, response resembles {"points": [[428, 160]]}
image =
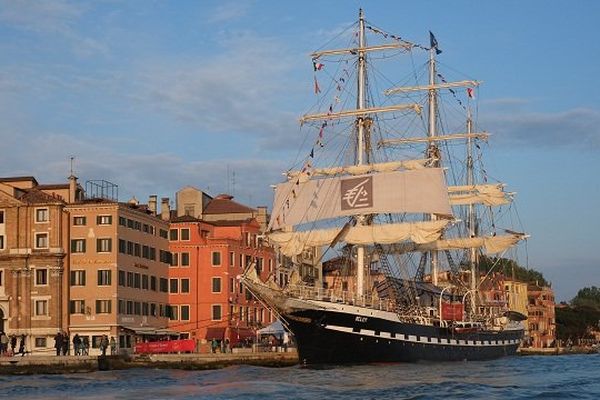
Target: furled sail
{"points": [[293, 243], [415, 191], [489, 195], [360, 169], [491, 244]]}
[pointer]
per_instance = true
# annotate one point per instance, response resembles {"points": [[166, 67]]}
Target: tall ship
{"points": [[394, 199]]}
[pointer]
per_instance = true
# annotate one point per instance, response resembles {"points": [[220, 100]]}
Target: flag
{"points": [[317, 88], [317, 65], [471, 93], [433, 43]]}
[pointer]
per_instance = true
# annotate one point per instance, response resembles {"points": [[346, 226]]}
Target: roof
{"points": [[18, 179], [185, 218], [224, 204], [230, 222], [53, 186], [37, 196]]}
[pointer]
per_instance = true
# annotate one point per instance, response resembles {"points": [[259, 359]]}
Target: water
{"points": [[555, 377]]}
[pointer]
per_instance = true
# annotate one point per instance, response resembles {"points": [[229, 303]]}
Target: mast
{"points": [[360, 105], [471, 210], [432, 150]]}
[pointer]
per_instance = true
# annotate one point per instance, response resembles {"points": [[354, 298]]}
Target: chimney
{"points": [[165, 210], [152, 203], [72, 188]]}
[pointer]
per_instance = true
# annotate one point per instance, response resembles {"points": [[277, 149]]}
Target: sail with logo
{"points": [[383, 225]]}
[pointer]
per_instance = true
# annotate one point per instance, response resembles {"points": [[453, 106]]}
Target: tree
{"points": [[588, 297], [509, 268]]}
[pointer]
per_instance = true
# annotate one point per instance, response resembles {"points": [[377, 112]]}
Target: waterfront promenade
{"points": [[195, 361]]}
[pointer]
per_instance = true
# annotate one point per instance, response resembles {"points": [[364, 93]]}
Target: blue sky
{"points": [[155, 95]]}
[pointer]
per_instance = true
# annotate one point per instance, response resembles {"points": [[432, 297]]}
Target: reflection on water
{"points": [[555, 377]]}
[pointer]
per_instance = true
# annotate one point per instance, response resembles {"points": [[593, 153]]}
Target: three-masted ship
{"points": [[400, 208]]}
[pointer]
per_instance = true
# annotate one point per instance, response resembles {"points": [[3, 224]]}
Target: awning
{"points": [[215, 333], [241, 334]]}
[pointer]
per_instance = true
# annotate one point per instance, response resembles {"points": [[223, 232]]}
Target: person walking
{"points": [[3, 343], [58, 342], [65, 344], [13, 344], [77, 344], [86, 346], [104, 344], [113, 346], [22, 345]]}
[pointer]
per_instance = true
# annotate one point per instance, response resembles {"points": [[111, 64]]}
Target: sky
{"points": [[157, 95]]}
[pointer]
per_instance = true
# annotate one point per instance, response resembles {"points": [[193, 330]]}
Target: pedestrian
{"points": [[22, 345], [113, 346], [77, 344], [86, 345], [3, 343], [214, 344], [65, 344], [13, 344], [104, 344], [227, 348], [58, 342]]}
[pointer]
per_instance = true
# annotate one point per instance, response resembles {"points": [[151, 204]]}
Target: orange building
{"points": [[207, 300], [541, 322]]}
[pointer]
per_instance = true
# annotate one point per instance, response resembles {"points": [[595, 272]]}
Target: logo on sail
{"points": [[357, 193]]}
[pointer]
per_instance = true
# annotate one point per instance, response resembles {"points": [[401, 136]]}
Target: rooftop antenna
{"points": [[233, 183], [72, 158]]}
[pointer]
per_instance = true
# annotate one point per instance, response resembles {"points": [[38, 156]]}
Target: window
{"points": [[41, 276], [122, 278], [1, 277], [153, 283], [231, 285], [1, 242], [104, 245], [122, 221], [185, 259], [145, 309], [104, 220], [129, 279], [129, 248], [40, 342], [216, 285], [216, 258], [78, 246], [185, 285], [174, 286], [241, 264], [216, 312], [153, 309], [174, 259], [77, 278], [41, 240], [104, 277], [145, 252], [130, 223], [77, 306], [164, 285], [185, 313], [231, 259], [41, 215], [163, 234], [137, 308], [122, 246], [165, 257], [137, 280], [173, 311], [137, 250], [1, 216], [145, 228], [152, 253], [103, 306], [122, 307], [173, 234], [41, 307], [185, 234], [145, 282], [77, 221]]}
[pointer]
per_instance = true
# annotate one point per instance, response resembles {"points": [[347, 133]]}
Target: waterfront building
{"points": [[119, 262], [212, 241], [541, 322], [34, 243]]}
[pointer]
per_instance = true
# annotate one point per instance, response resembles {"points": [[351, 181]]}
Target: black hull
{"points": [[333, 337]]}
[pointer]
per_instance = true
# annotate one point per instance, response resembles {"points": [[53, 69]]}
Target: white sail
{"points": [[491, 244], [489, 195], [359, 169], [417, 191], [293, 243]]}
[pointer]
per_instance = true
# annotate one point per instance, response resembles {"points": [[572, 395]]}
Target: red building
{"points": [[206, 299]]}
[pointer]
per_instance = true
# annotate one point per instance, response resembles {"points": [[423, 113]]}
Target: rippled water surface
{"points": [[555, 377]]}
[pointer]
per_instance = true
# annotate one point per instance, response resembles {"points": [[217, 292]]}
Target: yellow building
{"points": [[516, 292]]}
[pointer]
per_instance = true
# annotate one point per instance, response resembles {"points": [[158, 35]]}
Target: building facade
{"points": [[118, 278], [541, 323]]}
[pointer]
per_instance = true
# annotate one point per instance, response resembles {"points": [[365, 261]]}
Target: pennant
{"points": [[433, 43], [317, 66], [320, 143], [312, 153], [317, 88], [471, 93]]}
